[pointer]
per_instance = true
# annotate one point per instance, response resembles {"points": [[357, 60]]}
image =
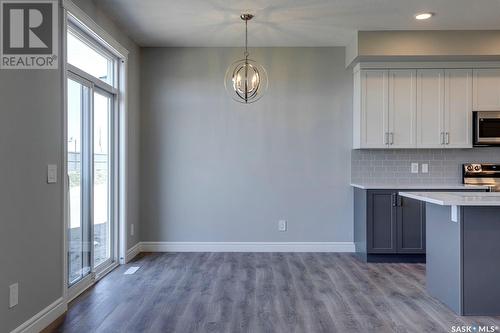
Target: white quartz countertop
{"points": [[387, 186], [456, 198]]}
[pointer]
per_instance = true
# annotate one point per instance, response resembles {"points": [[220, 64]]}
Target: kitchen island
{"points": [[390, 228], [463, 249]]}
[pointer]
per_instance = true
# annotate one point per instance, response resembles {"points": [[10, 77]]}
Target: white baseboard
{"points": [[132, 252], [43, 318], [247, 247]]}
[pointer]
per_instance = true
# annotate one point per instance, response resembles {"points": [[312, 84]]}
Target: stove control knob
{"points": [[470, 168], [477, 168]]}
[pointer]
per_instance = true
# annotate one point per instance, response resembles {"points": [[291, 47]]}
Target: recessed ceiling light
{"points": [[424, 16]]}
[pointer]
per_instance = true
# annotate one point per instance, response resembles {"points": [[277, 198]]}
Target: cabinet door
{"points": [[402, 108], [430, 108], [381, 229], [458, 108], [410, 226], [374, 108], [486, 89]]}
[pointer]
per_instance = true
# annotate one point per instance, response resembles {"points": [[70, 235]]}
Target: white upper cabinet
{"points": [[430, 108], [458, 108], [420, 108], [444, 108], [370, 109], [486, 89], [402, 108]]}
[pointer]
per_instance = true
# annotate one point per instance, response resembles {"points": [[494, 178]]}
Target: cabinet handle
{"points": [[394, 200], [447, 135], [391, 138], [400, 201], [386, 138], [442, 138]]}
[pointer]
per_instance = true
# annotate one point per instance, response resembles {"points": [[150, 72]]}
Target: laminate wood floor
{"points": [[262, 292]]}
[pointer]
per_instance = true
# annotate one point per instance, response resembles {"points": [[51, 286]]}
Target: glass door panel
{"points": [[102, 214], [79, 254]]}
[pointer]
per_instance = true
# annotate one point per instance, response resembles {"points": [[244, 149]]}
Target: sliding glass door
{"points": [[95, 81], [90, 178], [92, 94]]}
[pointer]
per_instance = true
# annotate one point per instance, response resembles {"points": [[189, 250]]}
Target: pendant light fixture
{"points": [[246, 80]]}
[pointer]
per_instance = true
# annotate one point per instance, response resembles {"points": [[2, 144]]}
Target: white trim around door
{"points": [[78, 17]]}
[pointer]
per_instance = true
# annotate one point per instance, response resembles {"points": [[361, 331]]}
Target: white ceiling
{"points": [[289, 22]]}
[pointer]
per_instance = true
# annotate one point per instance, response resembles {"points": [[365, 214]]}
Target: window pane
{"points": [[102, 183], [88, 59], [78, 233]]}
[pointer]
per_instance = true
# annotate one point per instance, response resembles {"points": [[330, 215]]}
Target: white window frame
{"points": [[77, 17]]}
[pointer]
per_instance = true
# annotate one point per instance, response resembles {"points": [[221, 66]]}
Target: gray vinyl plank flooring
{"points": [[262, 292]]}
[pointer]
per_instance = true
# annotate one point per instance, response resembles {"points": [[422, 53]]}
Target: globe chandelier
{"points": [[246, 80]]}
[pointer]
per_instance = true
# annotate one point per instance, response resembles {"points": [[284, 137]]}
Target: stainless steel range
{"points": [[482, 174]]}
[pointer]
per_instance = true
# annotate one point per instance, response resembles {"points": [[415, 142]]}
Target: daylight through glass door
{"points": [[91, 159]]}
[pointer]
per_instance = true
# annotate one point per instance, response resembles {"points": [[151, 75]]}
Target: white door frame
{"points": [[70, 12]]}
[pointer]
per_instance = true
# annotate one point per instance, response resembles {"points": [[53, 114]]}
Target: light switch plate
{"points": [[51, 174], [13, 295], [425, 168], [414, 168]]}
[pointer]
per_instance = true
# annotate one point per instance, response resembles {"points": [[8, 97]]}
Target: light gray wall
{"points": [[30, 209], [394, 166], [216, 170], [31, 238], [424, 45]]}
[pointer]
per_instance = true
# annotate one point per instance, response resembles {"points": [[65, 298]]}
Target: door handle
{"points": [[394, 200], [447, 136]]}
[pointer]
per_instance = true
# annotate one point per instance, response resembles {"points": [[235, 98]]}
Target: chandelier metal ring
{"points": [[246, 80]]}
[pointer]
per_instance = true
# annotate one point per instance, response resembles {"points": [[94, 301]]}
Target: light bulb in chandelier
{"points": [[246, 80]]}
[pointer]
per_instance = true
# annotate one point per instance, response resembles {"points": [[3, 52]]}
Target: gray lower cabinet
{"points": [[382, 222], [394, 224], [388, 227], [410, 226]]}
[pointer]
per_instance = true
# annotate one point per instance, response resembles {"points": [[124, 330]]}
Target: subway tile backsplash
{"points": [[394, 165]]}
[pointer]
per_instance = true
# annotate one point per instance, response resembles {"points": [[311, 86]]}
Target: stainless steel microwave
{"points": [[486, 128]]}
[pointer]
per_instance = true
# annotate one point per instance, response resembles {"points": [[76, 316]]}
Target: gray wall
{"points": [[30, 209], [424, 45], [394, 166], [31, 239], [216, 170]]}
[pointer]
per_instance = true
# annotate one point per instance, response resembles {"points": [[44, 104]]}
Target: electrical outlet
{"points": [[13, 295], [425, 168], [414, 168], [282, 225], [131, 229]]}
